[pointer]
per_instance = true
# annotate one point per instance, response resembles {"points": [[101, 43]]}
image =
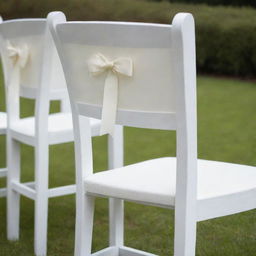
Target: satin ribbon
{"points": [[99, 64], [19, 58]]}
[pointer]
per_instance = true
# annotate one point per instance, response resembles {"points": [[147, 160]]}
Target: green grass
{"points": [[226, 131]]}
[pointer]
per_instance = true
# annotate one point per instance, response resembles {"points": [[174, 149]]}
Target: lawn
{"points": [[226, 132]]}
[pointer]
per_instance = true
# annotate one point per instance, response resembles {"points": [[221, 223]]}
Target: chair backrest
{"points": [[160, 94], [163, 68], [32, 33]]}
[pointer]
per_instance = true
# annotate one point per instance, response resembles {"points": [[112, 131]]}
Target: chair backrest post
{"points": [[42, 106], [56, 17], [81, 128], [186, 181], [65, 105], [81, 125]]}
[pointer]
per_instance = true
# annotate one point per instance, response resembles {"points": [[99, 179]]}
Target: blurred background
{"points": [[225, 29]]}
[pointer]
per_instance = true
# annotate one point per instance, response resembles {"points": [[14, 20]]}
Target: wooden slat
{"points": [[140, 119], [23, 189], [61, 191], [110, 251], [226, 205], [127, 251]]}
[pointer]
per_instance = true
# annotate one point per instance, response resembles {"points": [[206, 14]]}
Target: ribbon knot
{"points": [[109, 65], [18, 55], [99, 64], [19, 58]]}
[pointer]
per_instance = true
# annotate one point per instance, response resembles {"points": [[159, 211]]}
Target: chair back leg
{"points": [[185, 233], [41, 200], [13, 198], [84, 226]]}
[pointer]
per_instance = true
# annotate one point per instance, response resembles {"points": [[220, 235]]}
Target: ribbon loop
{"points": [[99, 64]]}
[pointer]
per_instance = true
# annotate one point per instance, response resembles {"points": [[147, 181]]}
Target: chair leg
{"points": [[116, 222], [185, 234], [116, 206], [41, 200], [84, 225], [13, 198]]}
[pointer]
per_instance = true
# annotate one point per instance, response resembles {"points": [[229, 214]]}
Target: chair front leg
{"points": [[41, 200], [13, 198], [185, 232], [84, 224]]}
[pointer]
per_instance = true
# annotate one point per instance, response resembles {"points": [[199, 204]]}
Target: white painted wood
{"points": [[23, 190], [116, 222], [30, 93], [159, 188], [127, 251], [30, 185], [84, 206], [87, 227], [121, 251], [83, 167], [113, 251], [41, 200], [124, 34], [186, 181], [3, 127], [60, 129], [42, 151], [226, 205], [60, 191], [140, 119]]}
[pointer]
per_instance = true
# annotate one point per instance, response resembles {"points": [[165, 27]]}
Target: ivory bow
{"points": [[19, 58], [99, 64]]}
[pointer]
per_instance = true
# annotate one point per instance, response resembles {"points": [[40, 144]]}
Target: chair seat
{"points": [[3, 122], [154, 181], [60, 128]]}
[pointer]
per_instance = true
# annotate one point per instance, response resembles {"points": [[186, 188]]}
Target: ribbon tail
{"points": [[13, 85], [109, 107]]}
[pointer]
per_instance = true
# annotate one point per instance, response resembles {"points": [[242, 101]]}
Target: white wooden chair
{"points": [[32, 70], [159, 94], [3, 124]]}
